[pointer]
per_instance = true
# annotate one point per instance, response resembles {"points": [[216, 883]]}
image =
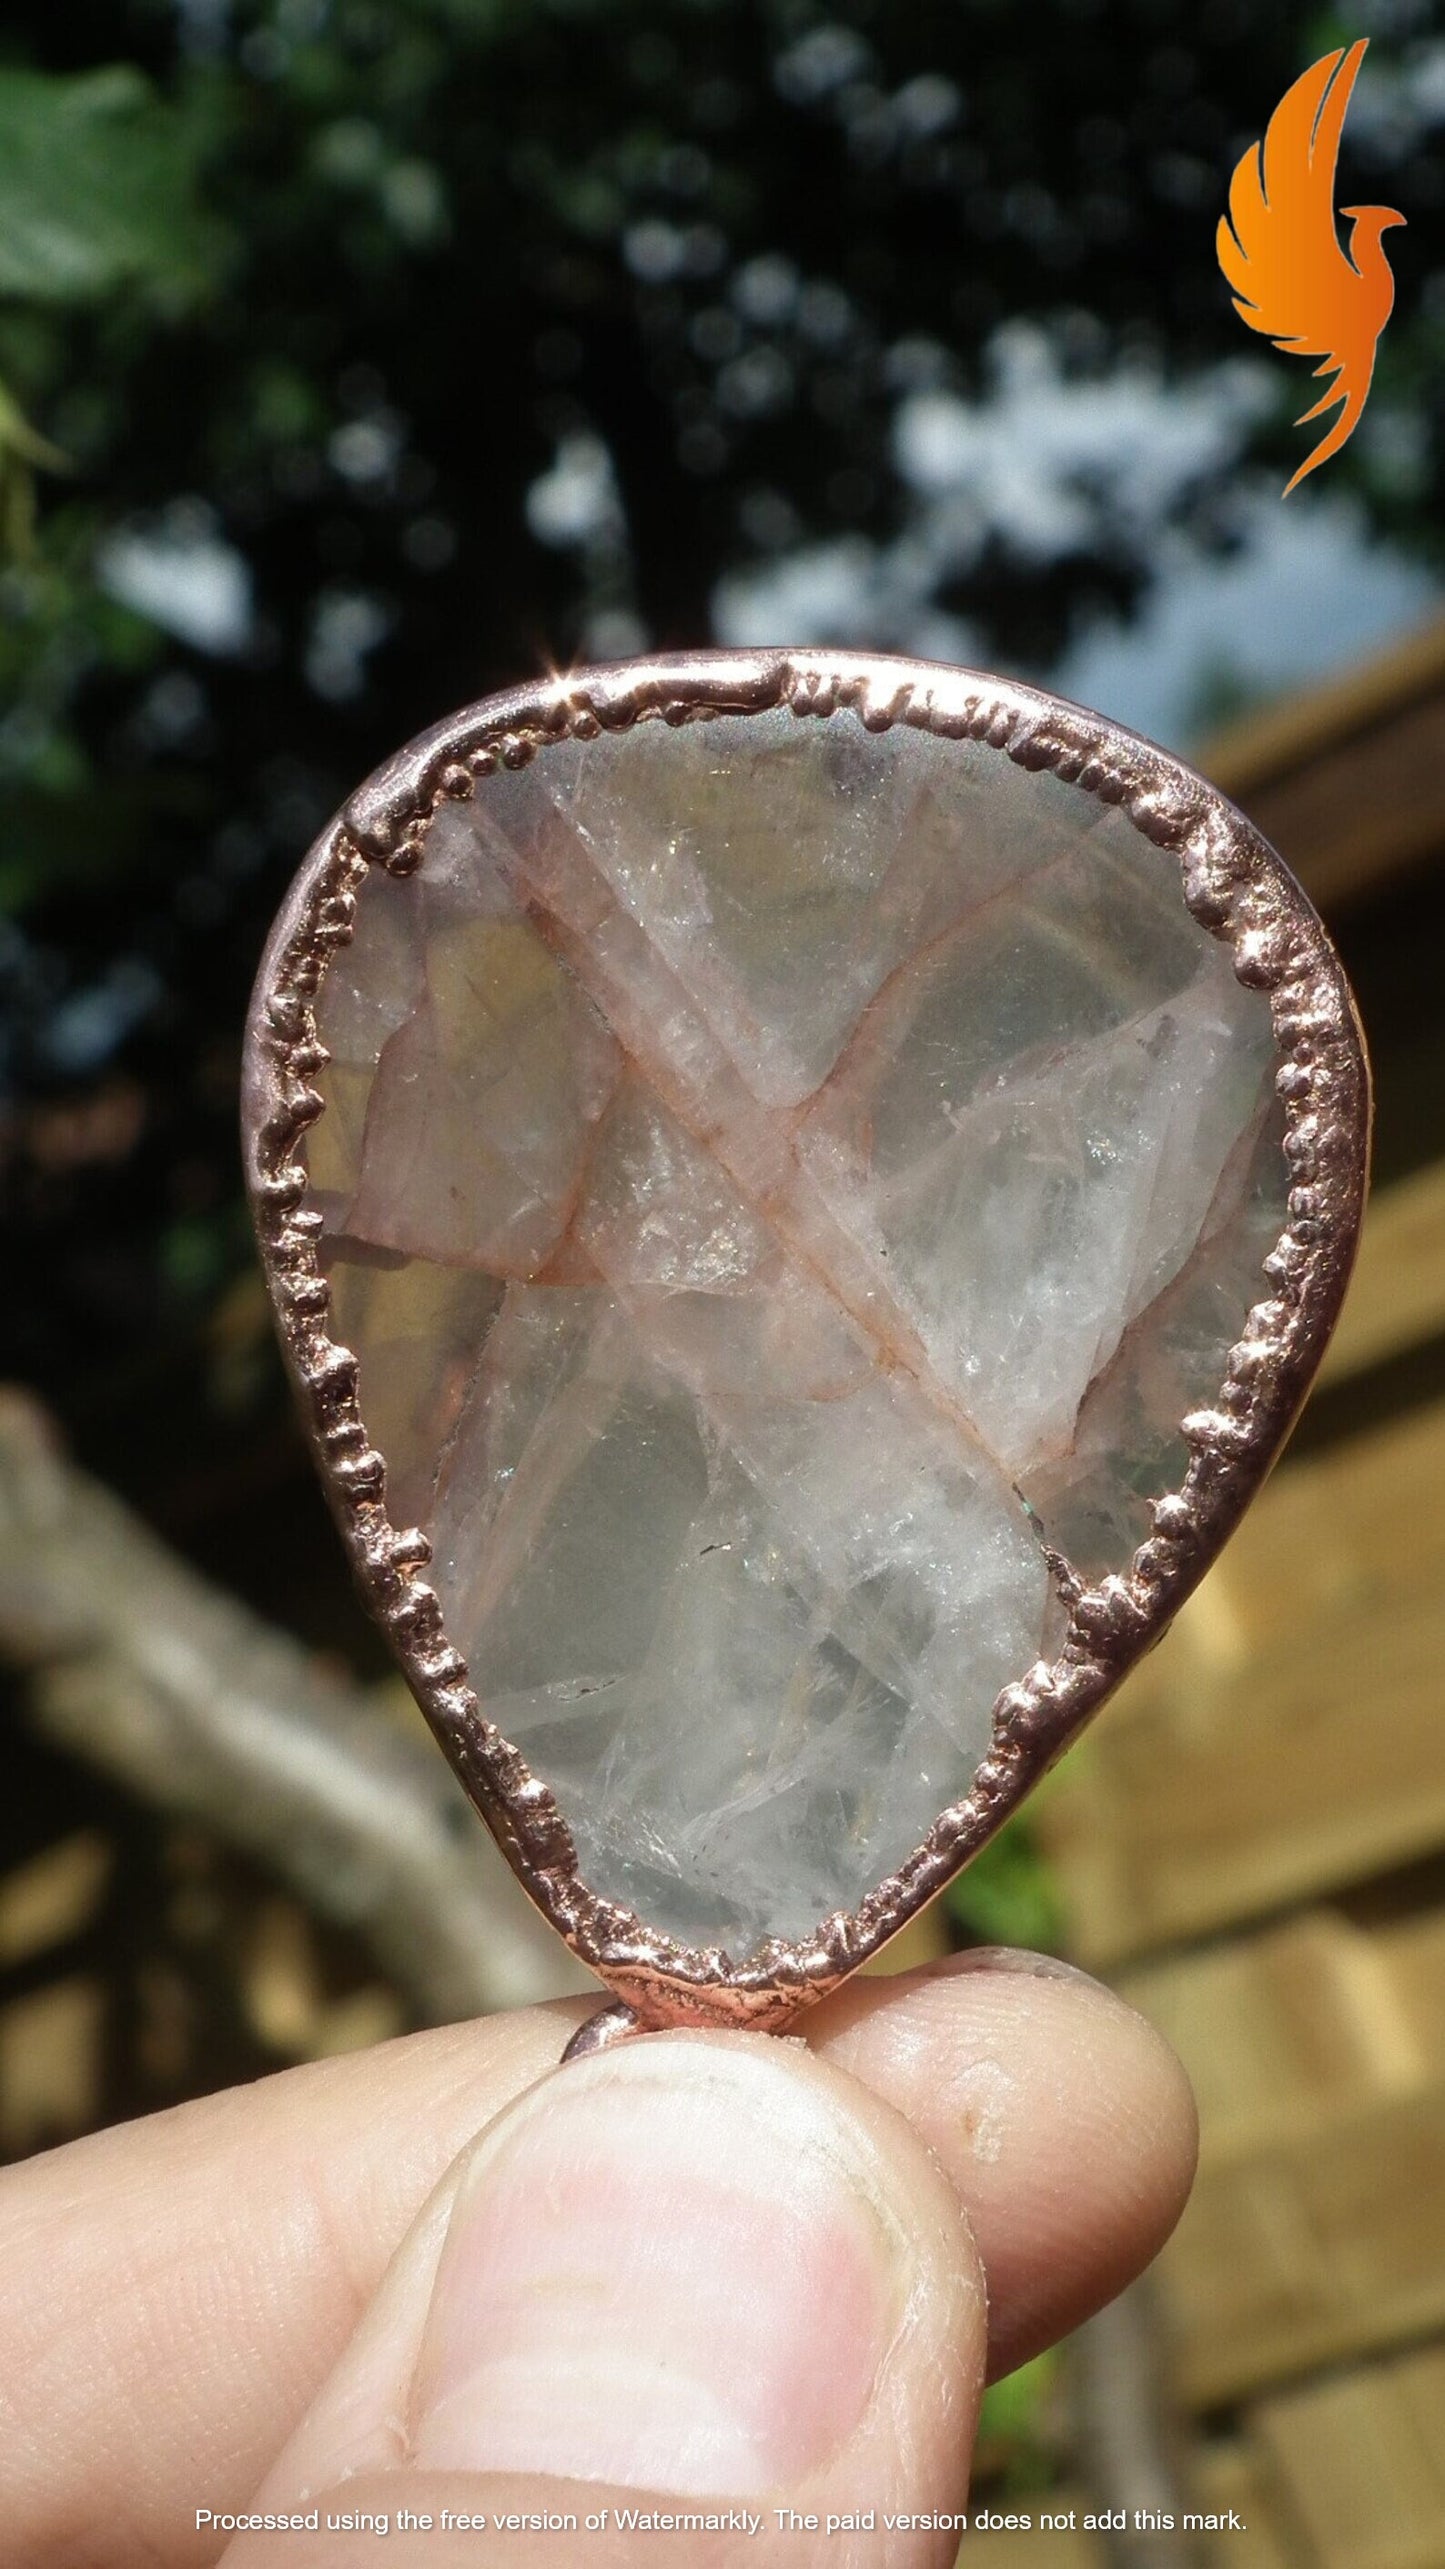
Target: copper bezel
{"points": [[1235, 887]]}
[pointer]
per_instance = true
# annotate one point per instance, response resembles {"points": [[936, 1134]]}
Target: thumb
{"points": [[697, 2275]]}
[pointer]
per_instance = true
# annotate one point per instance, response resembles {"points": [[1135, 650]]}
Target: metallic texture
{"points": [[1235, 887]]}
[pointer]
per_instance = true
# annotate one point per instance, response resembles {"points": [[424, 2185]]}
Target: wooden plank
{"points": [[285, 1998], [1397, 1295], [1297, 2255], [1230, 2477], [1220, 2477], [1352, 818], [55, 1895], [1356, 1530], [1414, 1957], [1317, 2224], [1220, 1781], [50, 2065], [1283, 2031], [1311, 1769], [1344, 778], [1360, 2461], [1059, 2543], [1215, 1788], [1244, 756]]}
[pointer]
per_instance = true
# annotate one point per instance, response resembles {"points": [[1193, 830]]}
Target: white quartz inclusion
{"points": [[777, 1179]]}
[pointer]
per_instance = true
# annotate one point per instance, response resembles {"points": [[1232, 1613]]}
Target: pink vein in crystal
{"points": [[775, 1178]]}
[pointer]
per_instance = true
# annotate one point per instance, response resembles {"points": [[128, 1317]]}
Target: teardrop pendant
{"points": [[808, 1190]]}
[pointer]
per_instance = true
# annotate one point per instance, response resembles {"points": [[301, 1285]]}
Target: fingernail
{"points": [[670, 2267], [1007, 1960]]}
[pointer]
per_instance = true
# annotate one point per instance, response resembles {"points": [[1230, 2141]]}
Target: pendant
{"points": [[802, 1194]]}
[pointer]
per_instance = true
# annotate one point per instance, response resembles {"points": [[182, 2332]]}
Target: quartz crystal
{"points": [[784, 1186]]}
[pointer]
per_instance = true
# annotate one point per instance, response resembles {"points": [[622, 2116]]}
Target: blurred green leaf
{"points": [[197, 1253], [96, 187], [1007, 1895], [1014, 2422]]}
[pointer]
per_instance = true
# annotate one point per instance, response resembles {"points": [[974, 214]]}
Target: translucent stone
{"points": [[784, 1186]]}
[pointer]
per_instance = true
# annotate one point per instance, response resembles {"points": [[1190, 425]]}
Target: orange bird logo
{"points": [[1280, 251]]}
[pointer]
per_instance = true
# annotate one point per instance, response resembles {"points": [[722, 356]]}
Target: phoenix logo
{"points": [[1280, 251]]}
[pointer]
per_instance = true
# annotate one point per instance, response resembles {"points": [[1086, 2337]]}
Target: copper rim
{"points": [[1235, 887]]}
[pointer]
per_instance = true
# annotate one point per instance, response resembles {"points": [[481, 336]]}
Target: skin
{"points": [[704, 2267]]}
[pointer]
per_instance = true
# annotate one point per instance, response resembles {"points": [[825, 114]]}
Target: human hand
{"points": [[691, 2273]]}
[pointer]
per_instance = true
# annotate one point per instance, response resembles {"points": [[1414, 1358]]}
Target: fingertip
{"points": [[1063, 2118]]}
